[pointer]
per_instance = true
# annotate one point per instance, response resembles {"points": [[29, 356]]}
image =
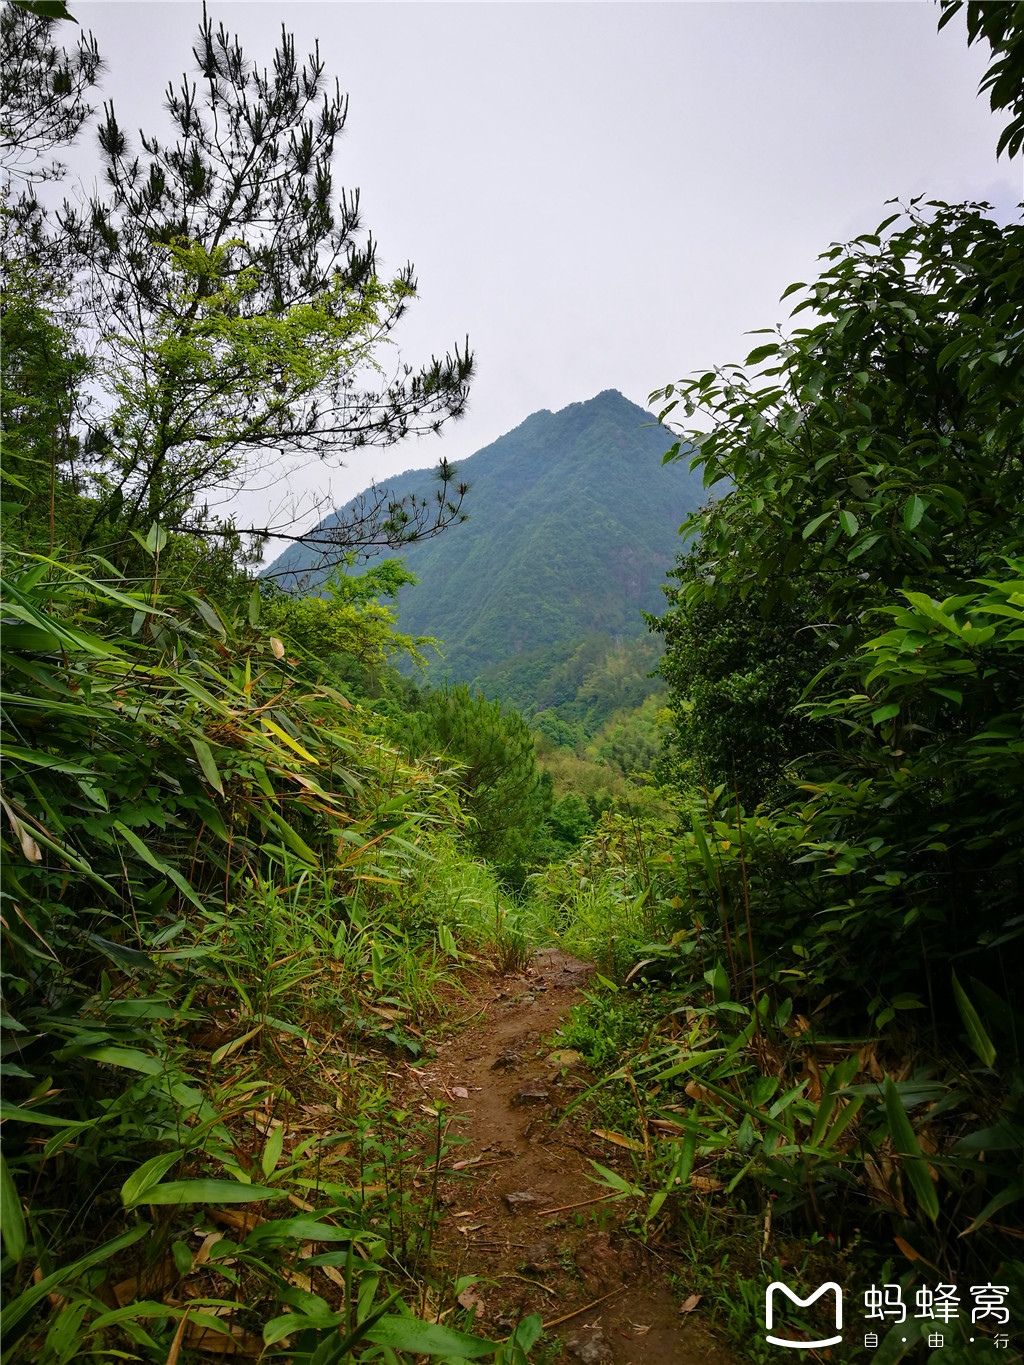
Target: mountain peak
{"points": [[573, 523]]}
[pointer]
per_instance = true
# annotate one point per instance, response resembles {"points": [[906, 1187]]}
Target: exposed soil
{"points": [[519, 1208]]}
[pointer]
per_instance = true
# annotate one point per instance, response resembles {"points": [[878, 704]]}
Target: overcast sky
{"points": [[602, 195]]}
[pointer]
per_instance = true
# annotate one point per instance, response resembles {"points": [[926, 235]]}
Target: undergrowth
{"points": [[229, 912], [770, 1144]]}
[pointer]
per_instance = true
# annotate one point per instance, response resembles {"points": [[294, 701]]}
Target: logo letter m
{"points": [[769, 1314]]}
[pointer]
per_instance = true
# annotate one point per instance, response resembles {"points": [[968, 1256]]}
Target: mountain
{"points": [[573, 523]]}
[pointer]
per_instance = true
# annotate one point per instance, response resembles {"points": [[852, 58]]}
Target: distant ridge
{"points": [[573, 523]]}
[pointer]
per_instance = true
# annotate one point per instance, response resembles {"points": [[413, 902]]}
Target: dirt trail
{"points": [[505, 1217]]}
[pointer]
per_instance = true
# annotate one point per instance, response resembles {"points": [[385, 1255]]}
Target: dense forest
{"points": [[255, 857]]}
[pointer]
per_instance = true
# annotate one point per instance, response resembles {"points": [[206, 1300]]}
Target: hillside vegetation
{"points": [[572, 524]]}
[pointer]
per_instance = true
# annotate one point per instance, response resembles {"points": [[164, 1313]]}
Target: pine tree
{"points": [[241, 308]]}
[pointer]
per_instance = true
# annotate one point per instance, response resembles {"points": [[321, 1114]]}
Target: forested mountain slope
{"points": [[573, 523]]}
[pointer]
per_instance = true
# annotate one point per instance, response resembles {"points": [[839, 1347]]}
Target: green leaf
{"points": [[117, 952], [978, 1038], [428, 1338], [886, 712], [208, 764], [913, 511], [158, 863], [906, 1144], [150, 1173], [613, 1180], [289, 1324], [848, 522], [688, 1153], [950, 693], [206, 1192], [131, 1058], [12, 1218], [812, 526], [15, 1113], [691, 1060], [209, 614], [864, 545], [254, 606], [528, 1332], [1008, 1195], [157, 539], [226, 1049], [272, 1151], [307, 1229], [718, 979]]}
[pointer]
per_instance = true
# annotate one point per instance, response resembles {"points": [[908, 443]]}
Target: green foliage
{"points": [[602, 1029], [218, 372], [42, 374], [493, 768], [234, 309], [875, 473], [844, 646], [1002, 27], [347, 628], [567, 691], [45, 88], [879, 447], [570, 819], [740, 1092], [735, 676], [631, 741], [601, 898]]}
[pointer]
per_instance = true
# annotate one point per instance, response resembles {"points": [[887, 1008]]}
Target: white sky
{"points": [[601, 195]]}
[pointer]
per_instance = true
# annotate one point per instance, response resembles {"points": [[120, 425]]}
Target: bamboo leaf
{"points": [[299, 1230], [67, 1275], [12, 1217], [158, 863], [228, 1048], [208, 764], [206, 1192], [149, 1173], [272, 1151], [907, 1146], [1009, 1195], [157, 539], [428, 1338], [978, 1038], [282, 734]]}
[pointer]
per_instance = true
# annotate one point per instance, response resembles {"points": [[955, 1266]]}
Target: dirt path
{"points": [[505, 1216]]}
